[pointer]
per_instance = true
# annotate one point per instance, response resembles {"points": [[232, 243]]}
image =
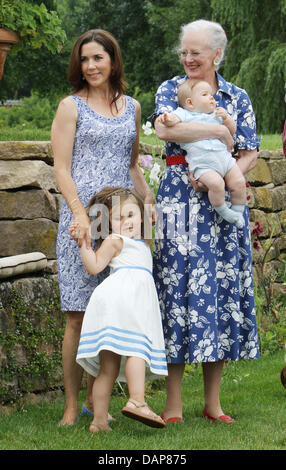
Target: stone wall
{"points": [[30, 201], [267, 204], [29, 213]]}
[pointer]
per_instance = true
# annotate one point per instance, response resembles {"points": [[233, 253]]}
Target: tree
{"points": [[41, 35], [148, 32], [256, 56]]}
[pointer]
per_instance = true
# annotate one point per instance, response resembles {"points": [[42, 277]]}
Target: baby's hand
{"points": [[168, 119], [221, 112]]}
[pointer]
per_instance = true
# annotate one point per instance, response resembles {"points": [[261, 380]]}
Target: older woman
{"points": [[202, 264]]}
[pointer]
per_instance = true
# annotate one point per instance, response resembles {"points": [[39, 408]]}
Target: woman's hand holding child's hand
{"points": [[80, 231]]}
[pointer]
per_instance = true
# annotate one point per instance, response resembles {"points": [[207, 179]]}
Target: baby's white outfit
{"points": [[205, 155], [123, 314]]}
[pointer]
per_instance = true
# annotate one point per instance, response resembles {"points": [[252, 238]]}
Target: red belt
{"points": [[176, 160]]}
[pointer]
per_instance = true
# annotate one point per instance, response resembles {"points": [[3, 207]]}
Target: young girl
{"points": [[122, 332]]}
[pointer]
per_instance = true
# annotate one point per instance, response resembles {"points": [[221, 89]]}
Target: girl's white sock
{"points": [[230, 215]]}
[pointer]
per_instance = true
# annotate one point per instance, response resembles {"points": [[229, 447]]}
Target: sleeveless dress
{"points": [[123, 314], [203, 264], [101, 157]]}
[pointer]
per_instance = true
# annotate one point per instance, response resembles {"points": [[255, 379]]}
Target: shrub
{"points": [[35, 112], [30, 343]]}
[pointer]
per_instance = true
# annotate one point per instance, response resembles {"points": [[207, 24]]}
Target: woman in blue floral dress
{"points": [[95, 143], [202, 264]]}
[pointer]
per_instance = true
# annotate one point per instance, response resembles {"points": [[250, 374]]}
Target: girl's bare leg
{"points": [[88, 403], [102, 388], [135, 377]]}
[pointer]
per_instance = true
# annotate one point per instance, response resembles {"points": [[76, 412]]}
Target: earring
{"points": [[216, 61]]}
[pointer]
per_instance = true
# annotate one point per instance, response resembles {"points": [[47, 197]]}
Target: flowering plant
{"points": [[147, 128], [265, 278], [150, 167]]}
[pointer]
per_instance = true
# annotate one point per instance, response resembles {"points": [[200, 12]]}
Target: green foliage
{"points": [[263, 76], [270, 300], [148, 32], [256, 55], [32, 342], [33, 23], [146, 101], [34, 112]]}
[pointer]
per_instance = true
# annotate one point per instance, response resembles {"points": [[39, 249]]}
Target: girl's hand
{"points": [[79, 230], [197, 185]]}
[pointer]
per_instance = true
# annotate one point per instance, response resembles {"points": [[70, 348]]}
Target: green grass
{"points": [[10, 133], [271, 142], [251, 392], [268, 142]]}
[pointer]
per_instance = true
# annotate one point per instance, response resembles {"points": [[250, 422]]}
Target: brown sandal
{"points": [[152, 420]]}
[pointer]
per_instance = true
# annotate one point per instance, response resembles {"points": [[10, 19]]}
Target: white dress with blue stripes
{"points": [[123, 314]]}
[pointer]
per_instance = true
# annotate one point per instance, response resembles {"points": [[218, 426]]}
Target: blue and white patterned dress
{"points": [[101, 157], [202, 264]]}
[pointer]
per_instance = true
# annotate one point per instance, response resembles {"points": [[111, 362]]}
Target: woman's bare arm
{"points": [[62, 136], [247, 159]]}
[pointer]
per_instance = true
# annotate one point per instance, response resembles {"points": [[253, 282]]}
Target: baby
{"points": [[209, 160]]}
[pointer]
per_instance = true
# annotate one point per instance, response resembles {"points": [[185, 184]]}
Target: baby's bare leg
{"points": [[216, 193], [215, 184], [235, 182]]}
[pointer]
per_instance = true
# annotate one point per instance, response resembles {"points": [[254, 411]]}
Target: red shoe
{"points": [[222, 418], [175, 419]]}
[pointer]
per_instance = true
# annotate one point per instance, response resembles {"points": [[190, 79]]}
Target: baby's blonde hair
{"points": [[185, 90]]}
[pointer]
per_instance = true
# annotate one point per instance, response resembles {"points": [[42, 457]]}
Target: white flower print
{"points": [[203, 351], [204, 279]]}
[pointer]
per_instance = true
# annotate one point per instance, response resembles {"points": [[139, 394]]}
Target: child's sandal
{"points": [[135, 412]]}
